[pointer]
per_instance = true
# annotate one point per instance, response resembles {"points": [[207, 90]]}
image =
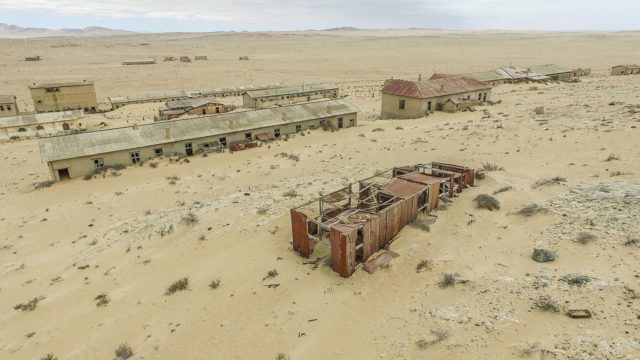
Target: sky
{"points": [[274, 15]]}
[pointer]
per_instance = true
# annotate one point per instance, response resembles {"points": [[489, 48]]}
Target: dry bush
{"points": [[632, 242], [49, 356], [42, 185], [448, 280], [271, 274], [584, 237], [190, 218], [612, 157], [377, 130], [178, 285], [214, 283], [546, 303], [423, 265], [553, 181], [123, 352], [291, 194], [488, 202], [173, 179], [491, 167], [30, 305], [439, 334], [262, 210], [480, 174], [102, 300], [422, 222], [577, 280], [530, 210], [282, 356], [502, 189]]}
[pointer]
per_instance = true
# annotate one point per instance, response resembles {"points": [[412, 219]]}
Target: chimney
{"points": [[167, 133]]}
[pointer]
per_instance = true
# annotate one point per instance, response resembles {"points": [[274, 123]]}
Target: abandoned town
{"points": [[335, 194]]}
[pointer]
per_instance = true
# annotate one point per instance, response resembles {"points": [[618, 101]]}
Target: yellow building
{"points": [[8, 106], [261, 99], [403, 99], [64, 96], [81, 154]]}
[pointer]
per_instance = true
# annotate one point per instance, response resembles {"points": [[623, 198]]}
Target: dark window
{"points": [[479, 96], [223, 141], [352, 122], [135, 157], [98, 163], [485, 97], [2, 108], [429, 106], [340, 123], [65, 126], [188, 149], [276, 132], [22, 130], [247, 136], [158, 151], [8, 107], [298, 128], [402, 104]]}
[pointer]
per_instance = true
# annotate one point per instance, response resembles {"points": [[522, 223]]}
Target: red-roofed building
{"points": [[403, 99]]}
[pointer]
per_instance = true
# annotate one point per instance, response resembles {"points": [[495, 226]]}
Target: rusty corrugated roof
{"points": [[405, 189], [433, 88], [422, 178]]}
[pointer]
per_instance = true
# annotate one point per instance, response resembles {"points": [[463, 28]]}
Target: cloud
{"points": [[305, 14]]}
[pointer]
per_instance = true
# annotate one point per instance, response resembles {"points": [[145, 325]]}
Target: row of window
{"points": [[8, 106], [402, 103]]}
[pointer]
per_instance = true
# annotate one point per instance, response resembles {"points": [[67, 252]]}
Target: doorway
{"points": [[63, 174], [188, 149]]}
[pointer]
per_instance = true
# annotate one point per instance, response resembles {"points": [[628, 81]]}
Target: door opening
{"points": [[63, 174], [188, 149]]}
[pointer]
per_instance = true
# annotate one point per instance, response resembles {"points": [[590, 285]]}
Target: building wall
{"points": [[282, 100], [623, 70], [417, 108], [66, 98], [43, 129], [85, 165], [9, 109]]}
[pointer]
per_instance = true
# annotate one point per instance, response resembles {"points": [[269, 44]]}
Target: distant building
{"points": [[260, 99], [64, 96], [32, 58], [557, 72], [405, 99], [513, 75], [8, 106], [138, 61], [625, 70], [201, 106], [20, 126], [74, 155]]}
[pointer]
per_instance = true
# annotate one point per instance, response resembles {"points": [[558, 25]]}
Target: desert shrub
{"points": [[488, 202], [178, 285], [262, 210], [294, 157], [502, 189], [30, 305], [399, 128], [421, 222], [439, 335], [291, 193], [153, 164], [546, 303], [577, 280], [49, 356], [123, 352], [447, 280], [377, 130], [584, 237], [530, 210], [189, 218], [612, 157], [632, 241], [491, 167], [214, 283], [423, 265], [282, 356], [480, 174], [102, 300], [271, 274], [42, 185], [173, 179], [552, 181]]}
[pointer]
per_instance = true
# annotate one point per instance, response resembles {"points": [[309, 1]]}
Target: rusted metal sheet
{"points": [[301, 242], [343, 249], [404, 188], [425, 89], [468, 174]]}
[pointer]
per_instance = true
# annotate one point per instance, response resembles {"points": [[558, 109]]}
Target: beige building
{"points": [[625, 70], [8, 106], [74, 155], [64, 96], [20, 126], [261, 99], [203, 106], [403, 99], [513, 75]]}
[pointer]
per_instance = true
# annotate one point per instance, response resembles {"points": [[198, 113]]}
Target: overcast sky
{"points": [[214, 15]]}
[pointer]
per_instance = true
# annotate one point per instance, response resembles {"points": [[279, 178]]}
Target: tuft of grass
{"points": [[439, 334], [123, 352], [291, 194], [556, 180], [577, 280], [491, 167], [530, 210], [546, 303], [178, 285], [102, 300], [448, 280], [282, 356], [30, 305], [42, 185], [484, 201], [377, 130], [421, 222], [632, 242], [423, 265], [190, 218], [584, 237], [612, 157], [262, 210], [502, 189], [480, 174], [214, 283], [49, 356], [271, 274], [173, 179]]}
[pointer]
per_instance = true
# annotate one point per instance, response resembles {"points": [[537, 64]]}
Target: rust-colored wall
{"points": [[301, 242], [343, 249]]}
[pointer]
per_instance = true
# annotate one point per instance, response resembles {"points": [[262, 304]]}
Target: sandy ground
{"points": [[124, 235]]}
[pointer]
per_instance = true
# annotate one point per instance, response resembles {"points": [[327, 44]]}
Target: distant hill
{"points": [[344, 28], [13, 31]]}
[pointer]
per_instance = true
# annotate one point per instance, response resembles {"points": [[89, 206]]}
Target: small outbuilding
{"points": [[147, 61], [625, 70], [8, 105], [21, 126], [260, 99], [203, 106], [54, 97]]}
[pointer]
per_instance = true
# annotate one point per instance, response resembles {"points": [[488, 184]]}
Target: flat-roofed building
{"points": [[64, 96], [260, 99], [404, 99], [74, 155], [625, 70], [202, 106], [26, 125], [8, 105], [140, 61]]}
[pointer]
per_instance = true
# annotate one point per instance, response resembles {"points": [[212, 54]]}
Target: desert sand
{"points": [[124, 234]]}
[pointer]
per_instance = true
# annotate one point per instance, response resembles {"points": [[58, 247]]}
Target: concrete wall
{"points": [[623, 70], [66, 98], [85, 165], [417, 108], [282, 100], [44, 129], [8, 109]]}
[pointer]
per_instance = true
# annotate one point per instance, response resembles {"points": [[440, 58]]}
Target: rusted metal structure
{"points": [[365, 216]]}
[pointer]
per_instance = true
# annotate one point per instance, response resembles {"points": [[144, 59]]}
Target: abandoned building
{"points": [[147, 61], [202, 106], [33, 58], [8, 106], [19, 126], [64, 96], [361, 219], [201, 57], [513, 75], [404, 99], [559, 73], [120, 101], [625, 70], [74, 155], [259, 99]]}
